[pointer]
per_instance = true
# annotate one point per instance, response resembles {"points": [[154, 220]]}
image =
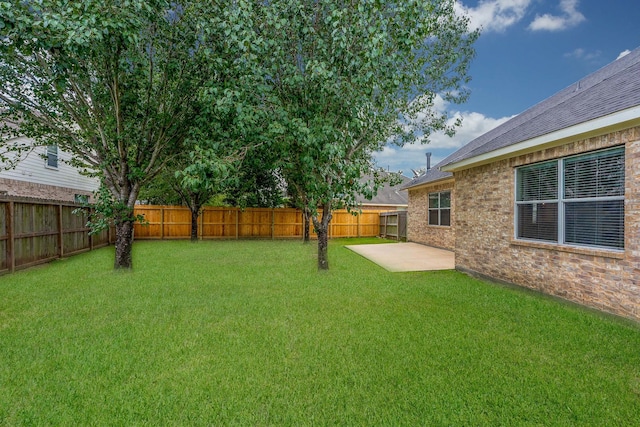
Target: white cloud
{"points": [[583, 54], [494, 15], [570, 17], [412, 155], [623, 53]]}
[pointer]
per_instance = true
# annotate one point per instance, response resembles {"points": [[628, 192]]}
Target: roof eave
{"points": [[385, 204], [610, 123], [430, 183]]}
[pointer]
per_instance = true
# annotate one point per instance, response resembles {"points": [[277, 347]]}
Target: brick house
{"points": [[549, 200], [45, 173]]}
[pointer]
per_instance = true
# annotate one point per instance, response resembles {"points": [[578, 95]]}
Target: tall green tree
{"points": [[257, 183], [350, 77], [117, 83]]}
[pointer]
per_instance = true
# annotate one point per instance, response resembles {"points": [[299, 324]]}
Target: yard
{"points": [[249, 333]]}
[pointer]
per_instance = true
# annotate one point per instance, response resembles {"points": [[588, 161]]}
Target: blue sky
{"points": [[528, 50]]}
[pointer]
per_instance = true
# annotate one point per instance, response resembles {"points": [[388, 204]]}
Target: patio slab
{"points": [[397, 257]]}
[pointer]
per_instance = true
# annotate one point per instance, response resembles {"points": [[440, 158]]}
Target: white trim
{"points": [[606, 124], [385, 204], [430, 183]]}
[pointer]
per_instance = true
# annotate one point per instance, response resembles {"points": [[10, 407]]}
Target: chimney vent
{"points": [[428, 161]]}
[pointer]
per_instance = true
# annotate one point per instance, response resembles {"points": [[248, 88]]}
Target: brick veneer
{"points": [[418, 228], [40, 191], [485, 242]]}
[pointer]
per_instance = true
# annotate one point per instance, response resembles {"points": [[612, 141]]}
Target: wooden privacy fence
{"points": [[174, 222], [36, 231], [393, 225]]}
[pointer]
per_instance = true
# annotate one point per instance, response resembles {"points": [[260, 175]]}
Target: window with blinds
{"points": [[537, 202], [578, 200], [594, 199], [440, 208]]}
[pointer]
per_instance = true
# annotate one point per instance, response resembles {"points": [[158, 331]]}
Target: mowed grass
{"points": [[250, 333]]}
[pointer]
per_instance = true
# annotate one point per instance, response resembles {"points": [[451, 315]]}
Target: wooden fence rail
{"points": [[174, 222], [37, 231]]}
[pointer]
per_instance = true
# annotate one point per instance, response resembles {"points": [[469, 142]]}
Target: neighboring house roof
{"points": [[432, 175], [387, 195], [607, 98]]}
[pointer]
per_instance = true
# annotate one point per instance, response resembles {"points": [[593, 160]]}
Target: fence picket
{"points": [[230, 223], [34, 231]]}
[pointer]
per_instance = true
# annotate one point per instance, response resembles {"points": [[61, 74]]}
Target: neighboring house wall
{"points": [[33, 178], [418, 228], [485, 244]]}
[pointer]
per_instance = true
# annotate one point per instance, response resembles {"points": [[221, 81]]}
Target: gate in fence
{"points": [[393, 225]]}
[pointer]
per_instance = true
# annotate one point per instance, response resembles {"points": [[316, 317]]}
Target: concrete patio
{"points": [[400, 257]]}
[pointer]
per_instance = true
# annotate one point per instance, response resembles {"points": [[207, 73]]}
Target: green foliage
{"points": [[348, 79], [244, 333], [134, 88], [257, 182], [106, 212], [120, 84]]}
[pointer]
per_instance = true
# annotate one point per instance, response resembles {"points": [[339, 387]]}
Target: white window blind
{"points": [[594, 199], [537, 202], [589, 209]]}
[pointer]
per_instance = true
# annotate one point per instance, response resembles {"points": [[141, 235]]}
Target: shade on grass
{"points": [[249, 333]]}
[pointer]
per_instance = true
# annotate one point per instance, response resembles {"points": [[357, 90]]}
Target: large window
{"points": [[440, 208], [577, 201]]}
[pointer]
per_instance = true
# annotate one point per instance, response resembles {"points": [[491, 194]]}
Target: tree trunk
{"points": [[306, 221], [194, 224], [124, 245], [322, 229]]}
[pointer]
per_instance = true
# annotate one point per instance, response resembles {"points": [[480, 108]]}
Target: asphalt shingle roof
{"points": [[611, 89], [387, 195]]}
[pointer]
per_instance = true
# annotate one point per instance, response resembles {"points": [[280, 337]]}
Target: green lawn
{"points": [[249, 333]]}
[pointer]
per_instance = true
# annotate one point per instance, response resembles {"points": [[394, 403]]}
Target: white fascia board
{"points": [[430, 183], [611, 123], [390, 205]]}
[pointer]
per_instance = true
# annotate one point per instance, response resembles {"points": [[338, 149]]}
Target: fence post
{"points": [[201, 219], [385, 225], [237, 223], [60, 236], [11, 256], [89, 235], [161, 223]]}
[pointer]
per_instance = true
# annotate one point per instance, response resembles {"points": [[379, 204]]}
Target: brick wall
{"points": [[13, 187], [418, 228], [485, 243]]}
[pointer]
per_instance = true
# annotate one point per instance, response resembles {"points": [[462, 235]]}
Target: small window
{"points": [[52, 156], [440, 208]]}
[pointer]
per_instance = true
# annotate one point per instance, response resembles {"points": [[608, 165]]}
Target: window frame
{"points": [[562, 201], [51, 156], [439, 209]]}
